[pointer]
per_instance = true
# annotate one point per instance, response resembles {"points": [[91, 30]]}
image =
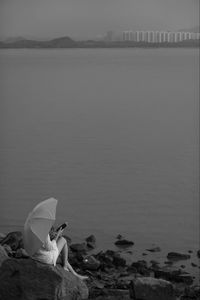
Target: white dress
{"points": [[48, 253]]}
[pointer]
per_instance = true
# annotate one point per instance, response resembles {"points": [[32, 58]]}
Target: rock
{"points": [[3, 255], [198, 253], [192, 293], [124, 243], [110, 259], [95, 284], [91, 245], [74, 257], [174, 275], [183, 266], [141, 267], [105, 259], [31, 280], [168, 262], [79, 248], [119, 237], [154, 264], [119, 261], [2, 236], [177, 256], [124, 282], [8, 250], [110, 297], [90, 263], [91, 241], [21, 253], [110, 253], [148, 288], [110, 294], [194, 265], [14, 240], [154, 249]]}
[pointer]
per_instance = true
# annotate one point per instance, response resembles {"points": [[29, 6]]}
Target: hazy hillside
{"points": [[62, 42], [66, 42]]}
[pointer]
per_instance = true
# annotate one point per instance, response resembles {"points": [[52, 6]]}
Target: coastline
{"points": [[138, 251], [154, 257], [65, 42], [121, 261]]}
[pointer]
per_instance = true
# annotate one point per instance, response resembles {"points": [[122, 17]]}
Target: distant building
{"points": [[137, 36], [128, 35], [159, 36], [179, 36], [142, 36], [150, 37], [109, 36], [172, 37]]}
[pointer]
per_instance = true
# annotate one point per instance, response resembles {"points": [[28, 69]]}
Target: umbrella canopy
{"points": [[38, 225]]}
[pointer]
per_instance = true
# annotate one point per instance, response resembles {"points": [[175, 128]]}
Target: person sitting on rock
{"points": [[52, 248]]}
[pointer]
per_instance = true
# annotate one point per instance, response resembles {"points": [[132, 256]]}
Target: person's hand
{"points": [[59, 233]]}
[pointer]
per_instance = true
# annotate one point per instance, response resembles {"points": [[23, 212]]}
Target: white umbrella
{"points": [[38, 225]]}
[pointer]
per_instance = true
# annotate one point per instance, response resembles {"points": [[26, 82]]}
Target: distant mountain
{"points": [[12, 39], [62, 42], [66, 42]]}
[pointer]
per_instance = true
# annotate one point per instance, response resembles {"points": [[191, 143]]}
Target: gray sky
{"points": [[88, 18]]}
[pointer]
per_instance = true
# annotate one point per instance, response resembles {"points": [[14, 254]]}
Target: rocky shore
{"points": [[111, 277]]}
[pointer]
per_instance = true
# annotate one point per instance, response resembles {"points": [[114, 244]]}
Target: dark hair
{"points": [[52, 233]]}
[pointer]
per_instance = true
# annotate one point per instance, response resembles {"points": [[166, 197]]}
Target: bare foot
{"points": [[82, 277]]}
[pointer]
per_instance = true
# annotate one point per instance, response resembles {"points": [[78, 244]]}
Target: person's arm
{"points": [[48, 244], [59, 233]]}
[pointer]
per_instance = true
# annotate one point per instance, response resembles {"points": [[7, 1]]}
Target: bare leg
{"points": [[62, 247]]}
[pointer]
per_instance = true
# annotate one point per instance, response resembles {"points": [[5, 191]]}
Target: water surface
{"points": [[111, 133]]}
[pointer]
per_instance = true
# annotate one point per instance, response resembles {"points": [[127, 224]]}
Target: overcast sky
{"points": [[89, 18]]}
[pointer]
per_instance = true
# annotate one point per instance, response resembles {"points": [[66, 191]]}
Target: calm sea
{"points": [[111, 133]]}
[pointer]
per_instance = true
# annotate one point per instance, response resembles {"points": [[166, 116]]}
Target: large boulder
{"points": [[3, 255], [148, 288], [27, 279]]}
